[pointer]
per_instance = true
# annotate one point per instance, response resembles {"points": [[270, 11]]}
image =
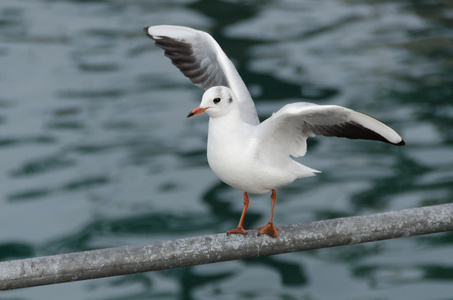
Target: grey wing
{"points": [[189, 54], [199, 57], [288, 129], [343, 122]]}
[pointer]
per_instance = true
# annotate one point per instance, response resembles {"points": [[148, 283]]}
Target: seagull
{"points": [[248, 155]]}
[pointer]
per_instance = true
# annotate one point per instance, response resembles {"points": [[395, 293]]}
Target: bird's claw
{"points": [[269, 229], [238, 230]]}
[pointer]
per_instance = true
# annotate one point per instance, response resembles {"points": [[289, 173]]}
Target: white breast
{"points": [[233, 157]]}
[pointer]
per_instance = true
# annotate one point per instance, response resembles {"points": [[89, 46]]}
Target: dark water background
{"points": [[95, 149]]}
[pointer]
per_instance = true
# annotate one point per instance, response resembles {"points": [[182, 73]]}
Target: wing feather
{"points": [[286, 131], [199, 57]]}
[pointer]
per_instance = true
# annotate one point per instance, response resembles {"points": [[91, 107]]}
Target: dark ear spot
{"points": [[230, 100], [216, 100]]}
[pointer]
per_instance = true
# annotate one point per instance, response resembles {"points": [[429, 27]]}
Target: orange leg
{"points": [[269, 227], [240, 229]]}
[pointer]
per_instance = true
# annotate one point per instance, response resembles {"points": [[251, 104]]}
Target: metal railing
{"points": [[220, 247]]}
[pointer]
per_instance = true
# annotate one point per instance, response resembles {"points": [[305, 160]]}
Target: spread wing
{"points": [[286, 131], [199, 57]]}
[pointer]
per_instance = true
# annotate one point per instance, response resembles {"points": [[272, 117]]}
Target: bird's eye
{"points": [[216, 100]]}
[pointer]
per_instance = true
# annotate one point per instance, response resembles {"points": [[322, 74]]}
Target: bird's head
{"points": [[217, 101]]}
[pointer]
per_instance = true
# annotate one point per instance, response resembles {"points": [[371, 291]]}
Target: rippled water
{"points": [[95, 149]]}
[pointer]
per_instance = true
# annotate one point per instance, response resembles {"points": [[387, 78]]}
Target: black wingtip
{"points": [[145, 29], [402, 143]]}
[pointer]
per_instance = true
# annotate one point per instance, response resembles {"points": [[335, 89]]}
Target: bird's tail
{"points": [[304, 171]]}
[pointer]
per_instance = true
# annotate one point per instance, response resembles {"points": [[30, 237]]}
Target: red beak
{"points": [[197, 111]]}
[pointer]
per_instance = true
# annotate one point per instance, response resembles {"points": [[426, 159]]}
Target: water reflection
{"points": [[137, 225], [290, 273], [384, 189], [11, 250]]}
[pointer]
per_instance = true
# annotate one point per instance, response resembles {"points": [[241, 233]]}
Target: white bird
{"points": [[248, 155]]}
